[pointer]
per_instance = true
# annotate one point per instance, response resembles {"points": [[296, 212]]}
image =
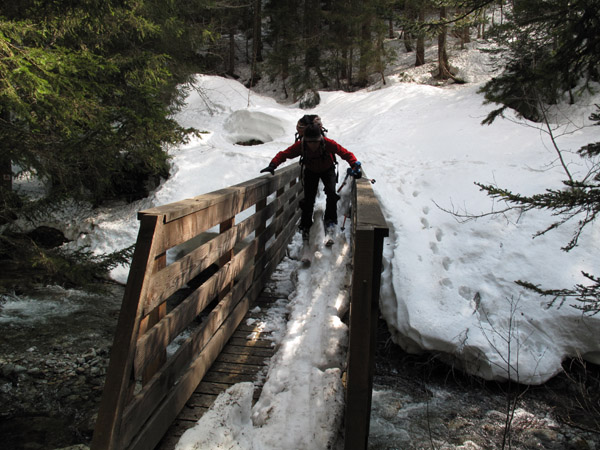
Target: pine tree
{"points": [[578, 200], [552, 47], [283, 21], [444, 71], [344, 23], [87, 94], [84, 99]]}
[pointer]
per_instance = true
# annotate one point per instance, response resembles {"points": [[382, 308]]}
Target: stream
{"points": [[54, 350]]}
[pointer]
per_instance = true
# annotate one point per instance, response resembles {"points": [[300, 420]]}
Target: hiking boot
{"points": [[329, 229], [305, 234]]}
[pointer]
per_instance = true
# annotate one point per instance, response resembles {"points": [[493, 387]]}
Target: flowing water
{"points": [[54, 353], [53, 357], [420, 402]]}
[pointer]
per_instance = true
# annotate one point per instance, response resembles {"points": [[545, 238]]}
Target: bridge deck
{"points": [[246, 354]]}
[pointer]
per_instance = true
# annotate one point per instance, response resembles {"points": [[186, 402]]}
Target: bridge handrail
{"points": [[146, 385], [369, 229]]}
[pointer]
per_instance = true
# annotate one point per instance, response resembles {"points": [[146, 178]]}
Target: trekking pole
{"points": [[355, 173], [343, 227], [348, 173]]}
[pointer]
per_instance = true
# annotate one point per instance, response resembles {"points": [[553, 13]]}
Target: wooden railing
{"points": [[198, 266], [369, 230], [231, 241]]}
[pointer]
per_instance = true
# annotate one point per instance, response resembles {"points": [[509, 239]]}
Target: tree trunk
{"points": [[6, 173], [231, 65], [420, 60], [366, 52], [408, 45], [443, 65], [257, 32], [5, 162], [312, 27]]}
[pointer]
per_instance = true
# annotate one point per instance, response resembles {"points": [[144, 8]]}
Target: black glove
{"points": [[270, 168], [357, 170]]}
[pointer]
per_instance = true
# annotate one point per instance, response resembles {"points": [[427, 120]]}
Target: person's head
{"points": [[312, 135], [305, 121]]}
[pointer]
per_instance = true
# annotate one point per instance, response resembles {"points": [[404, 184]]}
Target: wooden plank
{"points": [[241, 349], [359, 374], [178, 319], [253, 190], [174, 433], [252, 328], [253, 337], [195, 412], [154, 428], [273, 254], [199, 400], [158, 295], [117, 385], [228, 378], [159, 337], [180, 272], [176, 275], [241, 359], [235, 368], [278, 251], [210, 388], [178, 231], [207, 391], [140, 412], [231, 378], [154, 392], [241, 341], [368, 211], [189, 226], [207, 387]]}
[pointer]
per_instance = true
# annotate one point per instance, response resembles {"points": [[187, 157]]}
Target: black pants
{"points": [[311, 185]]}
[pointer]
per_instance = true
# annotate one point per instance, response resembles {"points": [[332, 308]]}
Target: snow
{"points": [[448, 286], [302, 400]]}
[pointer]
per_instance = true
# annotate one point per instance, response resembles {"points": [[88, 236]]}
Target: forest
{"points": [[88, 89]]}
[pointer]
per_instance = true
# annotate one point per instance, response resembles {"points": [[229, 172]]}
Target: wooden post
{"points": [[117, 387], [370, 229]]}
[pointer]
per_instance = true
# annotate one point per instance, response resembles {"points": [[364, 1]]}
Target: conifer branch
{"points": [[586, 296]]}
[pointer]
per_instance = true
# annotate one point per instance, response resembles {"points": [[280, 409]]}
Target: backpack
{"points": [[303, 123], [307, 120]]}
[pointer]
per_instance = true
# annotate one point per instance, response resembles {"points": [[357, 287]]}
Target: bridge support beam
{"points": [[370, 229]]}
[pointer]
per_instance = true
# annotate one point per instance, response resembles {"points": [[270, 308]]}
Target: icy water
{"points": [[54, 352], [53, 356], [420, 402]]}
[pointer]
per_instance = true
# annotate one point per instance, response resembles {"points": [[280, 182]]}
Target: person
{"points": [[317, 157], [306, 120]]}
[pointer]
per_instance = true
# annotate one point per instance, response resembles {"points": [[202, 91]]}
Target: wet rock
{"points": [[47, 237], [309, 99]]}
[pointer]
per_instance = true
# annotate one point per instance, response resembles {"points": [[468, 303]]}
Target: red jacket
{"points": [[319, 161]]}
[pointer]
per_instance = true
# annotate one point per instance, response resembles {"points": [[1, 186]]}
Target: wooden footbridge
{"points": [[198, 267]]}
